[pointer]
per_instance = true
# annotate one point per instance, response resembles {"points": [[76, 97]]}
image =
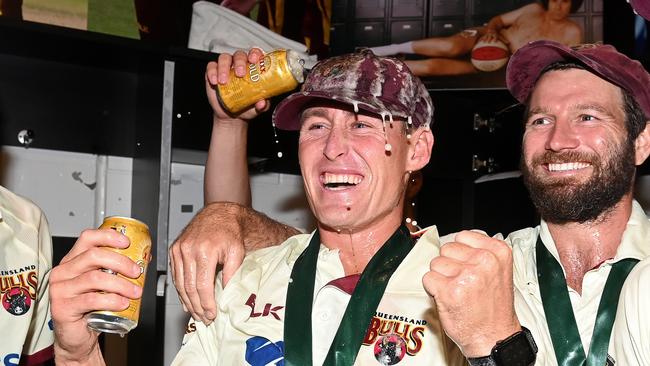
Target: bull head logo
{"points": [[16, 301]]}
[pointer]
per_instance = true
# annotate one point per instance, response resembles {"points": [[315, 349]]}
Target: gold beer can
{"points": [[277, 72], [139, 251]]}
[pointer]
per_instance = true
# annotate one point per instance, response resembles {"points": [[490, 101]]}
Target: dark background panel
{"points": [[408, 8], [441, 8], [370, 8]]}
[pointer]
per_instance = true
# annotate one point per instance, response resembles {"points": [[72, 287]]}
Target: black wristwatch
{"points": [[519, 349]]}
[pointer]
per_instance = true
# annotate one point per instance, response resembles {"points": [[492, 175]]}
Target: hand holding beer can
{"points": [[139, 251], [277, 72]]}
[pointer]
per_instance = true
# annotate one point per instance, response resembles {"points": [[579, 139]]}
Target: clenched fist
{"points": [[471, 282]]}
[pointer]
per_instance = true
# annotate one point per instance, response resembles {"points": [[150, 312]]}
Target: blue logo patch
{"points": [[261, 352], [11, 359]]}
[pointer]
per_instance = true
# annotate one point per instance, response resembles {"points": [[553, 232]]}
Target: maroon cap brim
{"points": [[286, 115], [642, 7], [526, 64], [603, 61]]}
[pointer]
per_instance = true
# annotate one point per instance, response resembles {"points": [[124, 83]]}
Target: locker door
{"points": [[445, 27], [370, 9], [408, 8], [404, 31], [369, 34], [447, 8]]}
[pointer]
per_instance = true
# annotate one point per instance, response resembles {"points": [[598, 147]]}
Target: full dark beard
{"points": [[565, 200]]}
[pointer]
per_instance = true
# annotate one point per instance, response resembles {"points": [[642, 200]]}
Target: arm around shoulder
{"points": [[220, 234]]}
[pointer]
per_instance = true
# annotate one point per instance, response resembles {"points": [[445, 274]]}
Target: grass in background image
{"points": [[115, 17], [65, 13]]}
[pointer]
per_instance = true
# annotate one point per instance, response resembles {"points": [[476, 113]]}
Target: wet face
{"points": [[577, 159], [559, 9], [351, 180]]}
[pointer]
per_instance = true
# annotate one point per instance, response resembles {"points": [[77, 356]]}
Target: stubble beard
{"points": [[566, 200]]}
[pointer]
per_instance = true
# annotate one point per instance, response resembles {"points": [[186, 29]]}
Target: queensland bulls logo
{"points": [[390, 349], [17, 301]]}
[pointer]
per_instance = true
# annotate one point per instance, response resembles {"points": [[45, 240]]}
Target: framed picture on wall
{"points": [[455, 44]]}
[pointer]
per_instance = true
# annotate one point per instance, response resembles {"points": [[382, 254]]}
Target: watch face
{"points": [[516, 351]]}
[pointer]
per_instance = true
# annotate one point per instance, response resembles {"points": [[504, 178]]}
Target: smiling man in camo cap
{"points": [[351, 291]]}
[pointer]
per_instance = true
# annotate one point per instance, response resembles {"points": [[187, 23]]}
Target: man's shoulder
{"points": [[642, 271], [572, 32], [534, 7], [531, 9], [523, 237], [292, 247], [19, 207]]}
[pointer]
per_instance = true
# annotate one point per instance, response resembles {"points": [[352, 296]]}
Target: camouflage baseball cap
{"points": [[380, 85]]}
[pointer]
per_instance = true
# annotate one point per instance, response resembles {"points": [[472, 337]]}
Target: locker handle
{"points": [[406, 26], [448, 25], [160, 285], [367, 27]]}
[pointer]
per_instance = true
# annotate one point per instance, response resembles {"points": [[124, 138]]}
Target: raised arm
{"points": [[226, 169]]}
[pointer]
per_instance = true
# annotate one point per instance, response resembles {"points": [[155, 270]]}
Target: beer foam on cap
{"points": [[296, 65], [381, 85]]}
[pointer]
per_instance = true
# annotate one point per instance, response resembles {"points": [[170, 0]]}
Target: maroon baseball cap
{"points": [[602, 60], [381, 85], [641, 7]]}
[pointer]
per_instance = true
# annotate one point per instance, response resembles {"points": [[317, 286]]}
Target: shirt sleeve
{"points": [[200, 343], [40, 336]]}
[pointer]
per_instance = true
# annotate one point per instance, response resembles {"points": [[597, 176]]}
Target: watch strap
{"points": [[501, 346], [481, 361]]}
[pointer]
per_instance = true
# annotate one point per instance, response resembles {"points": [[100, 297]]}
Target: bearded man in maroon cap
{"points": [[579, 286]]}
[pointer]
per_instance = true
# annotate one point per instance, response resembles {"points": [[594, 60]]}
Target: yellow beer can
{"points": [[277, 72], [139, 251]]}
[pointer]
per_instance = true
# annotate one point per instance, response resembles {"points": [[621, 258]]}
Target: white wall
{"points": [[74, 190]]}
